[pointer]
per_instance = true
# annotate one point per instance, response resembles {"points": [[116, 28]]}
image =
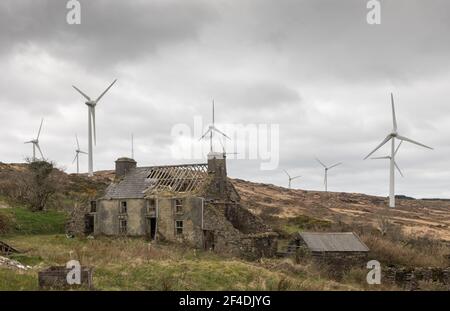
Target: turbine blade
{"points": [[296, 177], [412, 141], [76, 156], [218, 131], [83, 152], [78, 143], [287, 173], [337, 164], [79, 91], [206, 133], [96, 101], [396, 166], [28, 142], [213, 115], [379, 158], [379, 146], [40, 151], [394, 119], [398, 147], [321, 163], [40, 128]]}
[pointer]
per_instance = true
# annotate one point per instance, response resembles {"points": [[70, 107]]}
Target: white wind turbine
{"points": [[389, 158], [327, 168], [35, 143], [291, 178], [211, 129], [77, 155], [91, 124], [392, 136]]}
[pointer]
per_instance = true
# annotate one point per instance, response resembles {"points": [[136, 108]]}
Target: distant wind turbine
{"points": [[291, 178], [77, 155], [327, 168], [389, 158], [35, 143], [91, 123], [392, 136], [211, 129]]}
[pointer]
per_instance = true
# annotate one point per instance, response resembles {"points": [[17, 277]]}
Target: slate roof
{"points": [[333, 242], [175, 178]]}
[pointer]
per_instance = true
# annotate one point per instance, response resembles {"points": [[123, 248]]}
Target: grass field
{"points": [[135, 264]]}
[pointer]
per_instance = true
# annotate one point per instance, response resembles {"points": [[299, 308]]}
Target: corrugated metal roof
{"points": [[333, 242], [176, 178]]}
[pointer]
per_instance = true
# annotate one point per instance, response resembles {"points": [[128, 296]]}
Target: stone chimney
{"points": [[217, 167], [123, 166]]}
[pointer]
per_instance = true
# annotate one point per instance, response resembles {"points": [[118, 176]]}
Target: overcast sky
{"points": [[314, 67]]}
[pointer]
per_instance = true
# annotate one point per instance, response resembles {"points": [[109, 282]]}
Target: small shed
{"points": [[331, 247]]}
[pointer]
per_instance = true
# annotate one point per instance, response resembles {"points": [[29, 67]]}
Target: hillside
{"points": [[425, 218], [422, 218], [136, 264]]}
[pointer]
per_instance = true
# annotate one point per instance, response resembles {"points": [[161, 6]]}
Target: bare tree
{"points": [[39, 183]]}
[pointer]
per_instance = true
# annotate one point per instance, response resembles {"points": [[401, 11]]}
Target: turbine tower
{"points": [[77, 155], [91, 124], [327, 168], [35, 143], [291, 178], [211, 129], [392, 136]]}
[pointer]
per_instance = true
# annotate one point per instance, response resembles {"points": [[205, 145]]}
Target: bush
{"points": [[6, 223]]}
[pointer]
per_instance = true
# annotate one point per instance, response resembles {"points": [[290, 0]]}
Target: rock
{"points": [[9, 263]]}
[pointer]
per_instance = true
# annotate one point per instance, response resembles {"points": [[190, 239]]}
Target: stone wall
{"points": [[243, 220], [408, 278], [56, 277]]}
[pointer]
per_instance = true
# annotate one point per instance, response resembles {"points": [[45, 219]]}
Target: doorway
{"points": [[152, 228], [208, 240], [88, 224]]}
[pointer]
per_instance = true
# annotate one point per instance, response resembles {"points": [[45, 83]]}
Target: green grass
{"points": [[133, 264], [27, 222], [303, 222]]}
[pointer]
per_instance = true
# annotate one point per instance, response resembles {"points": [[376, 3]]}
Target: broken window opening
{"points": [[178, 206], [93, 206], [123, 207], [179, 227], [122, 226]]}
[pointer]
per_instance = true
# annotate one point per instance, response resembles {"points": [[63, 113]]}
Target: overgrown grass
{"points": [[303, 222], [134, 264], [23, 221]]}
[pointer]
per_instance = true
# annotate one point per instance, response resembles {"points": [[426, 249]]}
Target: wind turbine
{"points": [[211, 129], [77, 155], [35, 143], [392, 136], [91, 124], [291, 178], [389, 157], [327, 168]]}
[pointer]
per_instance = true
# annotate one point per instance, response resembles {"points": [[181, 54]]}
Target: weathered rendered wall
{"points": [[191, 217], [107, 217]]}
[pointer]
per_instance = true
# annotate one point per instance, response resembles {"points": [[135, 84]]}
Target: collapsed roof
{"points": [[140, 181]]}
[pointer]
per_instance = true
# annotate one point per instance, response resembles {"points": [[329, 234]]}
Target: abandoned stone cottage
{"points": [[194, 204]]}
